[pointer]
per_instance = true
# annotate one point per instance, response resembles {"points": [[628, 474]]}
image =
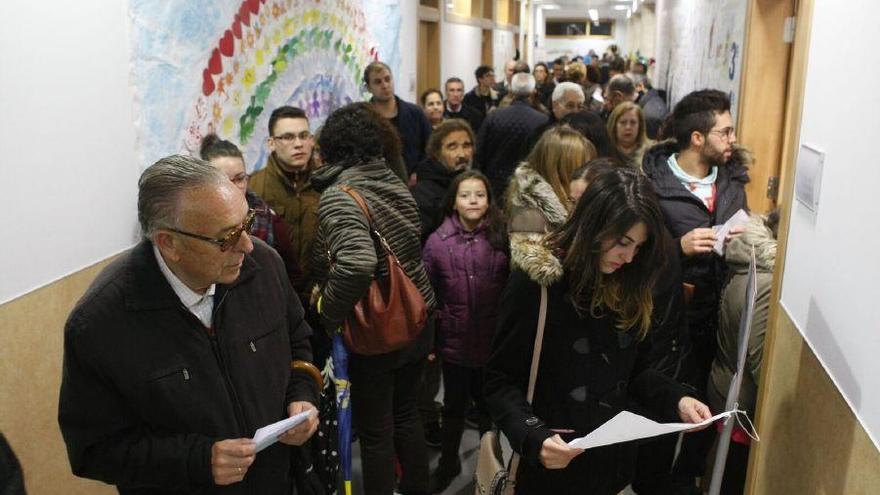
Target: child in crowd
{"points": [[467, 262]]}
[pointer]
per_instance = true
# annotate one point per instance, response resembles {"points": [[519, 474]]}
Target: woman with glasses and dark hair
{"points": [[605, 298], [266, 224]]}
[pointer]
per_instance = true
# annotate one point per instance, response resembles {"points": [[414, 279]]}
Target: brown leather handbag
{"points": [[393, 312]]}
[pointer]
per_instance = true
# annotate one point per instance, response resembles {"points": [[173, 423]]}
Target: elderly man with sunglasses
{"points": [[181, 349]]}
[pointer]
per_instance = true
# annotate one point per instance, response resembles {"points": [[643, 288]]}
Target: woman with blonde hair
{"points": [[626, 129], [537, 198]]}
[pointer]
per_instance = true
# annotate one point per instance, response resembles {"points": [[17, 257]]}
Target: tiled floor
{"points": [[464, 484]]}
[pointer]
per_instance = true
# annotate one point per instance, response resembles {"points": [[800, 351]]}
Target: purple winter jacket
{"points": [[468, 275]]}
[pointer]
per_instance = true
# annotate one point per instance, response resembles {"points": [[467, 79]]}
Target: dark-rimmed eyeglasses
{"points": [[725, 133], [290, 137], [229, 240]]}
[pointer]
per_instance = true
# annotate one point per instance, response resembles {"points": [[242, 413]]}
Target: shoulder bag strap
{"points": [[539, 342], [363, 204], [533, 374]]}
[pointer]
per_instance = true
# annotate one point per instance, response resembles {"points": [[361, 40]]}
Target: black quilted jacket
{"points": [[504, 141]]}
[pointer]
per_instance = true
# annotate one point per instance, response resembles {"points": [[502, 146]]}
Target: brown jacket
{"points": [[297, 204]]}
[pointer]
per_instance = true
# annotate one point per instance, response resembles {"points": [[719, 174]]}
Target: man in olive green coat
{"points": [[284, 184]]}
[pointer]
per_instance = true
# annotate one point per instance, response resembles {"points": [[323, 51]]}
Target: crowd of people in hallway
{"points": [[568, 189]]}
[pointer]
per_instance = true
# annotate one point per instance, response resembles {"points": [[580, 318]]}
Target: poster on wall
{"points": [[222, 66], [700, 48]]}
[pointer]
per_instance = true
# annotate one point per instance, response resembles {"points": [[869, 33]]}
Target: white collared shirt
{"points": [[201, 305]]}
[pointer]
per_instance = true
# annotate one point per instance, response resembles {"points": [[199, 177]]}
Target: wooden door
{"points": [[429, 57], [762, 99], [486, 55]]}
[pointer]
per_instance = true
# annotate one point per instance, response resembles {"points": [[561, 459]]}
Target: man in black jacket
{"points": [[450, 152], [455, 107], [483, 98], [700, 179], [181, 349], [503, 140], [406, 117]]}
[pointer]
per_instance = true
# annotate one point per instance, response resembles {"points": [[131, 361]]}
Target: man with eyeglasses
{"points": [[700, 177], [182, 348], [284, 184]]}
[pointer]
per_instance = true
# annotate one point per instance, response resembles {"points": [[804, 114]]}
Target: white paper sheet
{"points": [[721, 231], [627, 426], [268, 434]]}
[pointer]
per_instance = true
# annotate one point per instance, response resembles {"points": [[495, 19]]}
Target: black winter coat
{"points": [[146, 391], [503, 141], [683, 212], [344, 236], [589, 372], [470, 115], [480, 103], [414, 130], [655, 110], [434, 179]]}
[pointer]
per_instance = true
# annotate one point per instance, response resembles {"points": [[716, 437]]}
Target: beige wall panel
{"points": [[31, 340], [811, 442]]}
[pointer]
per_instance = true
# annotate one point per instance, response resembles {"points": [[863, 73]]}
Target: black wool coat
{"points": [[503, 141], [589, 372], [146, 390], [429, 192]]}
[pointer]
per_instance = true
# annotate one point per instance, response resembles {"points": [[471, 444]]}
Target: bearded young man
{"points": [[700, 178]]}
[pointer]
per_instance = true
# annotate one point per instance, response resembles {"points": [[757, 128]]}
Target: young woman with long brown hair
{"points": [[604, 319]]}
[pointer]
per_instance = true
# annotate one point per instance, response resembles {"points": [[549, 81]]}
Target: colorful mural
{"points": [[201, 66]]}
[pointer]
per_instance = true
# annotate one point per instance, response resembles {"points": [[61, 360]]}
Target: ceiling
{"points": [[570, 8]]}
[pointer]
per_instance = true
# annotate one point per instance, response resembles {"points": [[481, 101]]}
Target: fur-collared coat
{"points": [[589, 371], [534, 210]]}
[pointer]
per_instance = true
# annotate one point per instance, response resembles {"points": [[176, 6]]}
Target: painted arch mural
{"points": [[201, 66]]}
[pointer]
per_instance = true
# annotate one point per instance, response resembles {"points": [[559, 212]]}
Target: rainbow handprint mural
{"points": [[201, 66]]}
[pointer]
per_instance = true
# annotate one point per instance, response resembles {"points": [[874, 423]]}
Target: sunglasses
{"points": [[227, 241]]}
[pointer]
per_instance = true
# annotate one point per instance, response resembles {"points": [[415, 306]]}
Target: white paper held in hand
{"points": [[268, 434], [627, 426], [721, 231]]}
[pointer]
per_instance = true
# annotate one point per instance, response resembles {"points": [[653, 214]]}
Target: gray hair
{"points": [[564, 87], [161, 185], [522, 85], [621, 83]]}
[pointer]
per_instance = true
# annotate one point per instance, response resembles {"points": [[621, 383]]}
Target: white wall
{"points": [[69, 171], [503, 50], [460, 52], [405, 82], [641, 32], [830, 287]]}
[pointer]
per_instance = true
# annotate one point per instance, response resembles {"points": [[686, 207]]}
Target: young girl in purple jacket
{"points": [[467, 262]]}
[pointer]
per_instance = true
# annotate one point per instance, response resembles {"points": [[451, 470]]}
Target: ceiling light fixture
{"points": [[594, 15]]}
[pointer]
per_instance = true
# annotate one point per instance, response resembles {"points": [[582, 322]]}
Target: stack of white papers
{"points": [[269, 434], [721, 231], [627, 426]]}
